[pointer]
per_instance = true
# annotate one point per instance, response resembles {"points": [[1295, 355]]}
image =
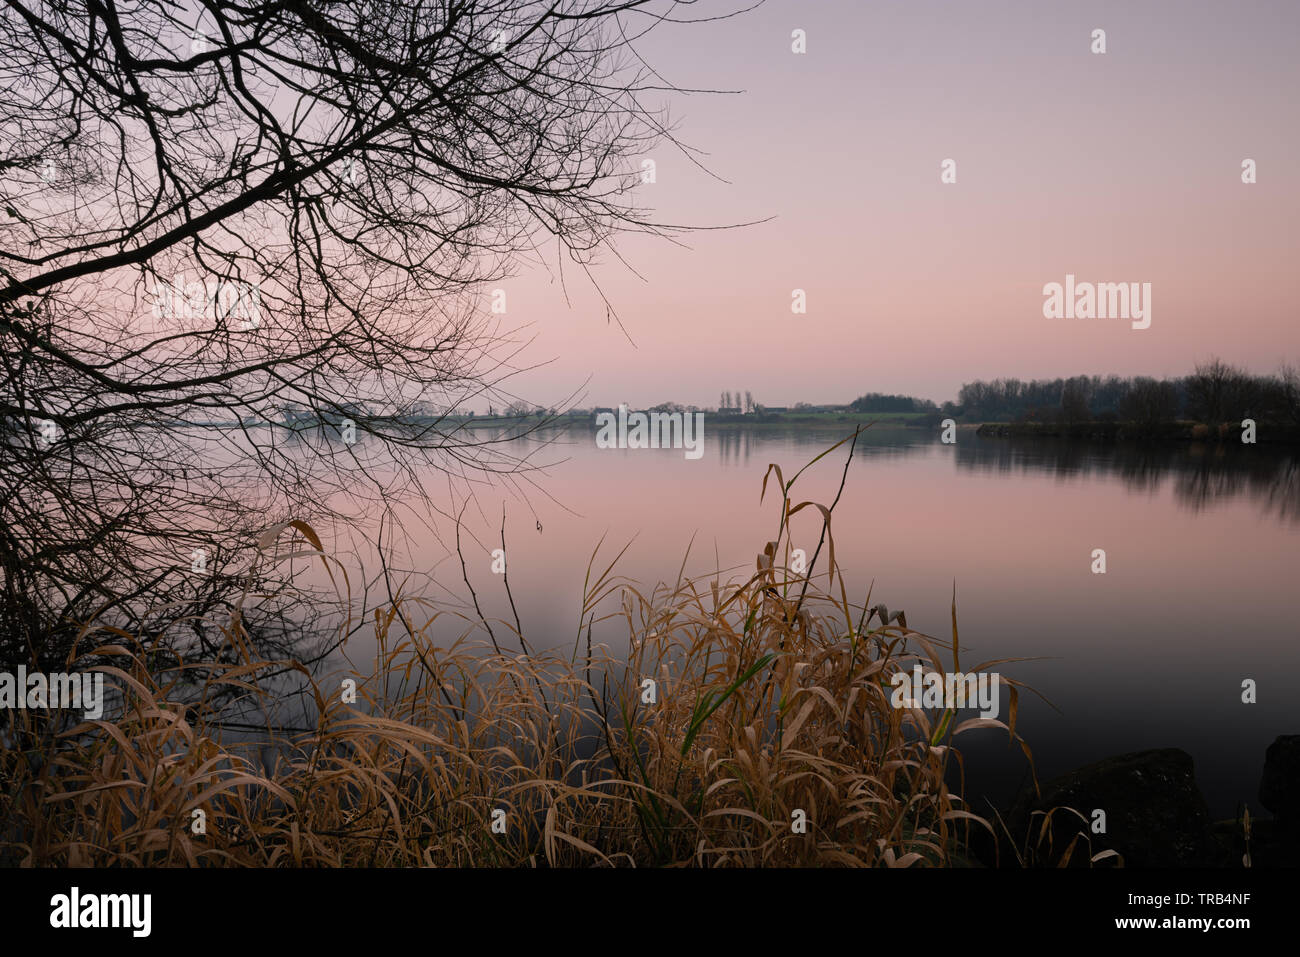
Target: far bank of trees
{"points": [[1214, 394], [876, 402]]}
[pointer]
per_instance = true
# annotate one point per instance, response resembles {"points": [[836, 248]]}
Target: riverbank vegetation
{"points": [[696, 723], [1199, 405], [1213, 396]]}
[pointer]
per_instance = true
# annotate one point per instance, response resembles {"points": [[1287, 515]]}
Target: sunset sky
{"points": [[1122, 167]]}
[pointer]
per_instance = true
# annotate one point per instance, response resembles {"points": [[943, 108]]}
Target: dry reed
{"points": [[771, 696]]}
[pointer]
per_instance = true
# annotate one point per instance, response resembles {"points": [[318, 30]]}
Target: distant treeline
{"points": [[1215, 393], [876, 402]]}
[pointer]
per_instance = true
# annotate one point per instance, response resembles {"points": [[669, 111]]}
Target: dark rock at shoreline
{"points": [[1270, 845], [1155, 813], [1155, 816], [1279, 787]]}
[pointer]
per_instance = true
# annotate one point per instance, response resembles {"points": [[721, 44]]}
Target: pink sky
{"points": [[1122, 167]]}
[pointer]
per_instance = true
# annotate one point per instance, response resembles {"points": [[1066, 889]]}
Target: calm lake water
{"points": [[1202, 548]]}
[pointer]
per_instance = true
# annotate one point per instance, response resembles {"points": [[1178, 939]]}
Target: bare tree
{"points": [[221, 215], [1074, 400], [1210, 392], [1149, 402], [1288, 385]]}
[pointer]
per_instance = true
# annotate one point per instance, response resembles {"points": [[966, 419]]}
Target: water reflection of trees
{"points": [[738, 446], [1202, 474]]}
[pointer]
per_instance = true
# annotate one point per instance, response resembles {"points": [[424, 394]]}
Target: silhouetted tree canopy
{"points": [[219, 212], [1214, 394]]}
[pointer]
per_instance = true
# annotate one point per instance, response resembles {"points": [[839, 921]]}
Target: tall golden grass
{"points": [[771, 696]]}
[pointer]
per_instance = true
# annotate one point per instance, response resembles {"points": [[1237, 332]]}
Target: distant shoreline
{"points": [[1095, 431]]}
